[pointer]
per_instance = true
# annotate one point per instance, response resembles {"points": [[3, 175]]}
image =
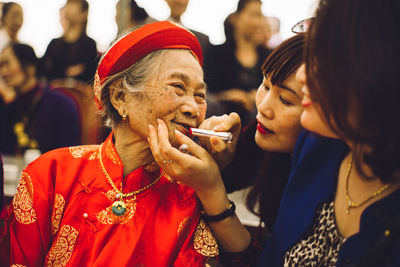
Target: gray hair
{"points": [[130, 80]]}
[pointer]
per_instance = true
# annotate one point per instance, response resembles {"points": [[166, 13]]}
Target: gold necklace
{"points": [[352, 204], [119, 206]]}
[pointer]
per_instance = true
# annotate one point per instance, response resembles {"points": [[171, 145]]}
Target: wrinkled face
{"points": [[178, 7], [249, 19], [312, 118], [14, 18], [176, 95], [279, 110], [11, 70]]}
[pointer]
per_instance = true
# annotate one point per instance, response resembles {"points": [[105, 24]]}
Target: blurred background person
{"points": [[177, 8], [263, 33], [233, 69], [129, 15], [74, 55], [39, 117], [11, 21], [275, 36]]}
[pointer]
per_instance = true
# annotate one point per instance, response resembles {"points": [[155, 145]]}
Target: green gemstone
{"points": [[118, 208]]}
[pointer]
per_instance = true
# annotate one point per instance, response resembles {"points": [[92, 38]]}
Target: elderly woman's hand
{"points": [[196, 168], [221, 151]]}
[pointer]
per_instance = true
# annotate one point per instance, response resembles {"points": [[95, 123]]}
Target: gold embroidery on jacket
{"points": [[18, 265], [204, 241], [23, 201], [108, 217], [56, 216], [90, 152], [112, 154], [61, 250], [183, 224], [97, 88]]}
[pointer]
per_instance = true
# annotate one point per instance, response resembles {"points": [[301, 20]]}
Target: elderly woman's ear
{"points": [[118, 97]]}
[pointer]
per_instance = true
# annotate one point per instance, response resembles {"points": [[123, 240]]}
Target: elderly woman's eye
{"points": [[178, 85], [201, 96]]}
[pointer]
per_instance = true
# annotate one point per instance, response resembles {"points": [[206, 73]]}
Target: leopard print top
{"points": [[321, 246]]}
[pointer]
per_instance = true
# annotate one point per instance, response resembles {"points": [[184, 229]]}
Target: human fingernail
{"points": [[217, 128]]}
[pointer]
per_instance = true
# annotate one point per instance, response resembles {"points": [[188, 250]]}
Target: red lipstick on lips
{"points": [[306, 104], [262, 129], [183, 130]]}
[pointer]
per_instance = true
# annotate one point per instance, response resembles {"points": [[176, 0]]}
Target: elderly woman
{"points": [[111, 204], [39, 117]]}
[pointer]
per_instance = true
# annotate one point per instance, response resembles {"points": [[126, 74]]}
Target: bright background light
{"points": [[41, 18]]}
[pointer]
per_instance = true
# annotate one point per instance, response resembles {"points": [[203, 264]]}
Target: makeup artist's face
{"points": [[177, 95], [279, 110], [311, 118]]}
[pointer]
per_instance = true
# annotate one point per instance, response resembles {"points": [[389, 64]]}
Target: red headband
{"points": [[138, 44]]}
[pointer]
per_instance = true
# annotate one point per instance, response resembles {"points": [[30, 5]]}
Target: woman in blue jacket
{"points": [[340, 206]]}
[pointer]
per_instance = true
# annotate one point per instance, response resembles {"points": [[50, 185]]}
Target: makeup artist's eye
{"points": [[285, 102]]}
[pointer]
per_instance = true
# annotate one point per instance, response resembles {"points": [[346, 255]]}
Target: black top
{"points": [[223, 71], [61, 54]]}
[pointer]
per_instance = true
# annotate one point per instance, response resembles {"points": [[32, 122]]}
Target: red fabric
{"points": [[143, 41], [47, 224]]}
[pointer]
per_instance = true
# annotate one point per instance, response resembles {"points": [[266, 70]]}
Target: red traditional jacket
{"points": [[61, 215]]}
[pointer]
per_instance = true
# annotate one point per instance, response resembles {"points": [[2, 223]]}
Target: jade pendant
{"points": [[118, 208]]}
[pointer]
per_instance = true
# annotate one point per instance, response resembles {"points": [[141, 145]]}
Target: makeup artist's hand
{"points": [[196, 169], [220, 150]]}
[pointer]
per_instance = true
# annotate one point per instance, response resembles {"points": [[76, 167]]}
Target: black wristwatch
{"points": [[219, 217]]}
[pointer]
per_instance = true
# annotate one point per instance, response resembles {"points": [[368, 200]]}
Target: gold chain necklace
{"points": [[119, 206], [352, 204]]}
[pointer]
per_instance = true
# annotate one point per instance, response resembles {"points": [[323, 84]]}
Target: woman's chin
{"points": [[262, 141]]}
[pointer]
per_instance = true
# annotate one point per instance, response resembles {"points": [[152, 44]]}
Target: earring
{"points": [[124, 116]]}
